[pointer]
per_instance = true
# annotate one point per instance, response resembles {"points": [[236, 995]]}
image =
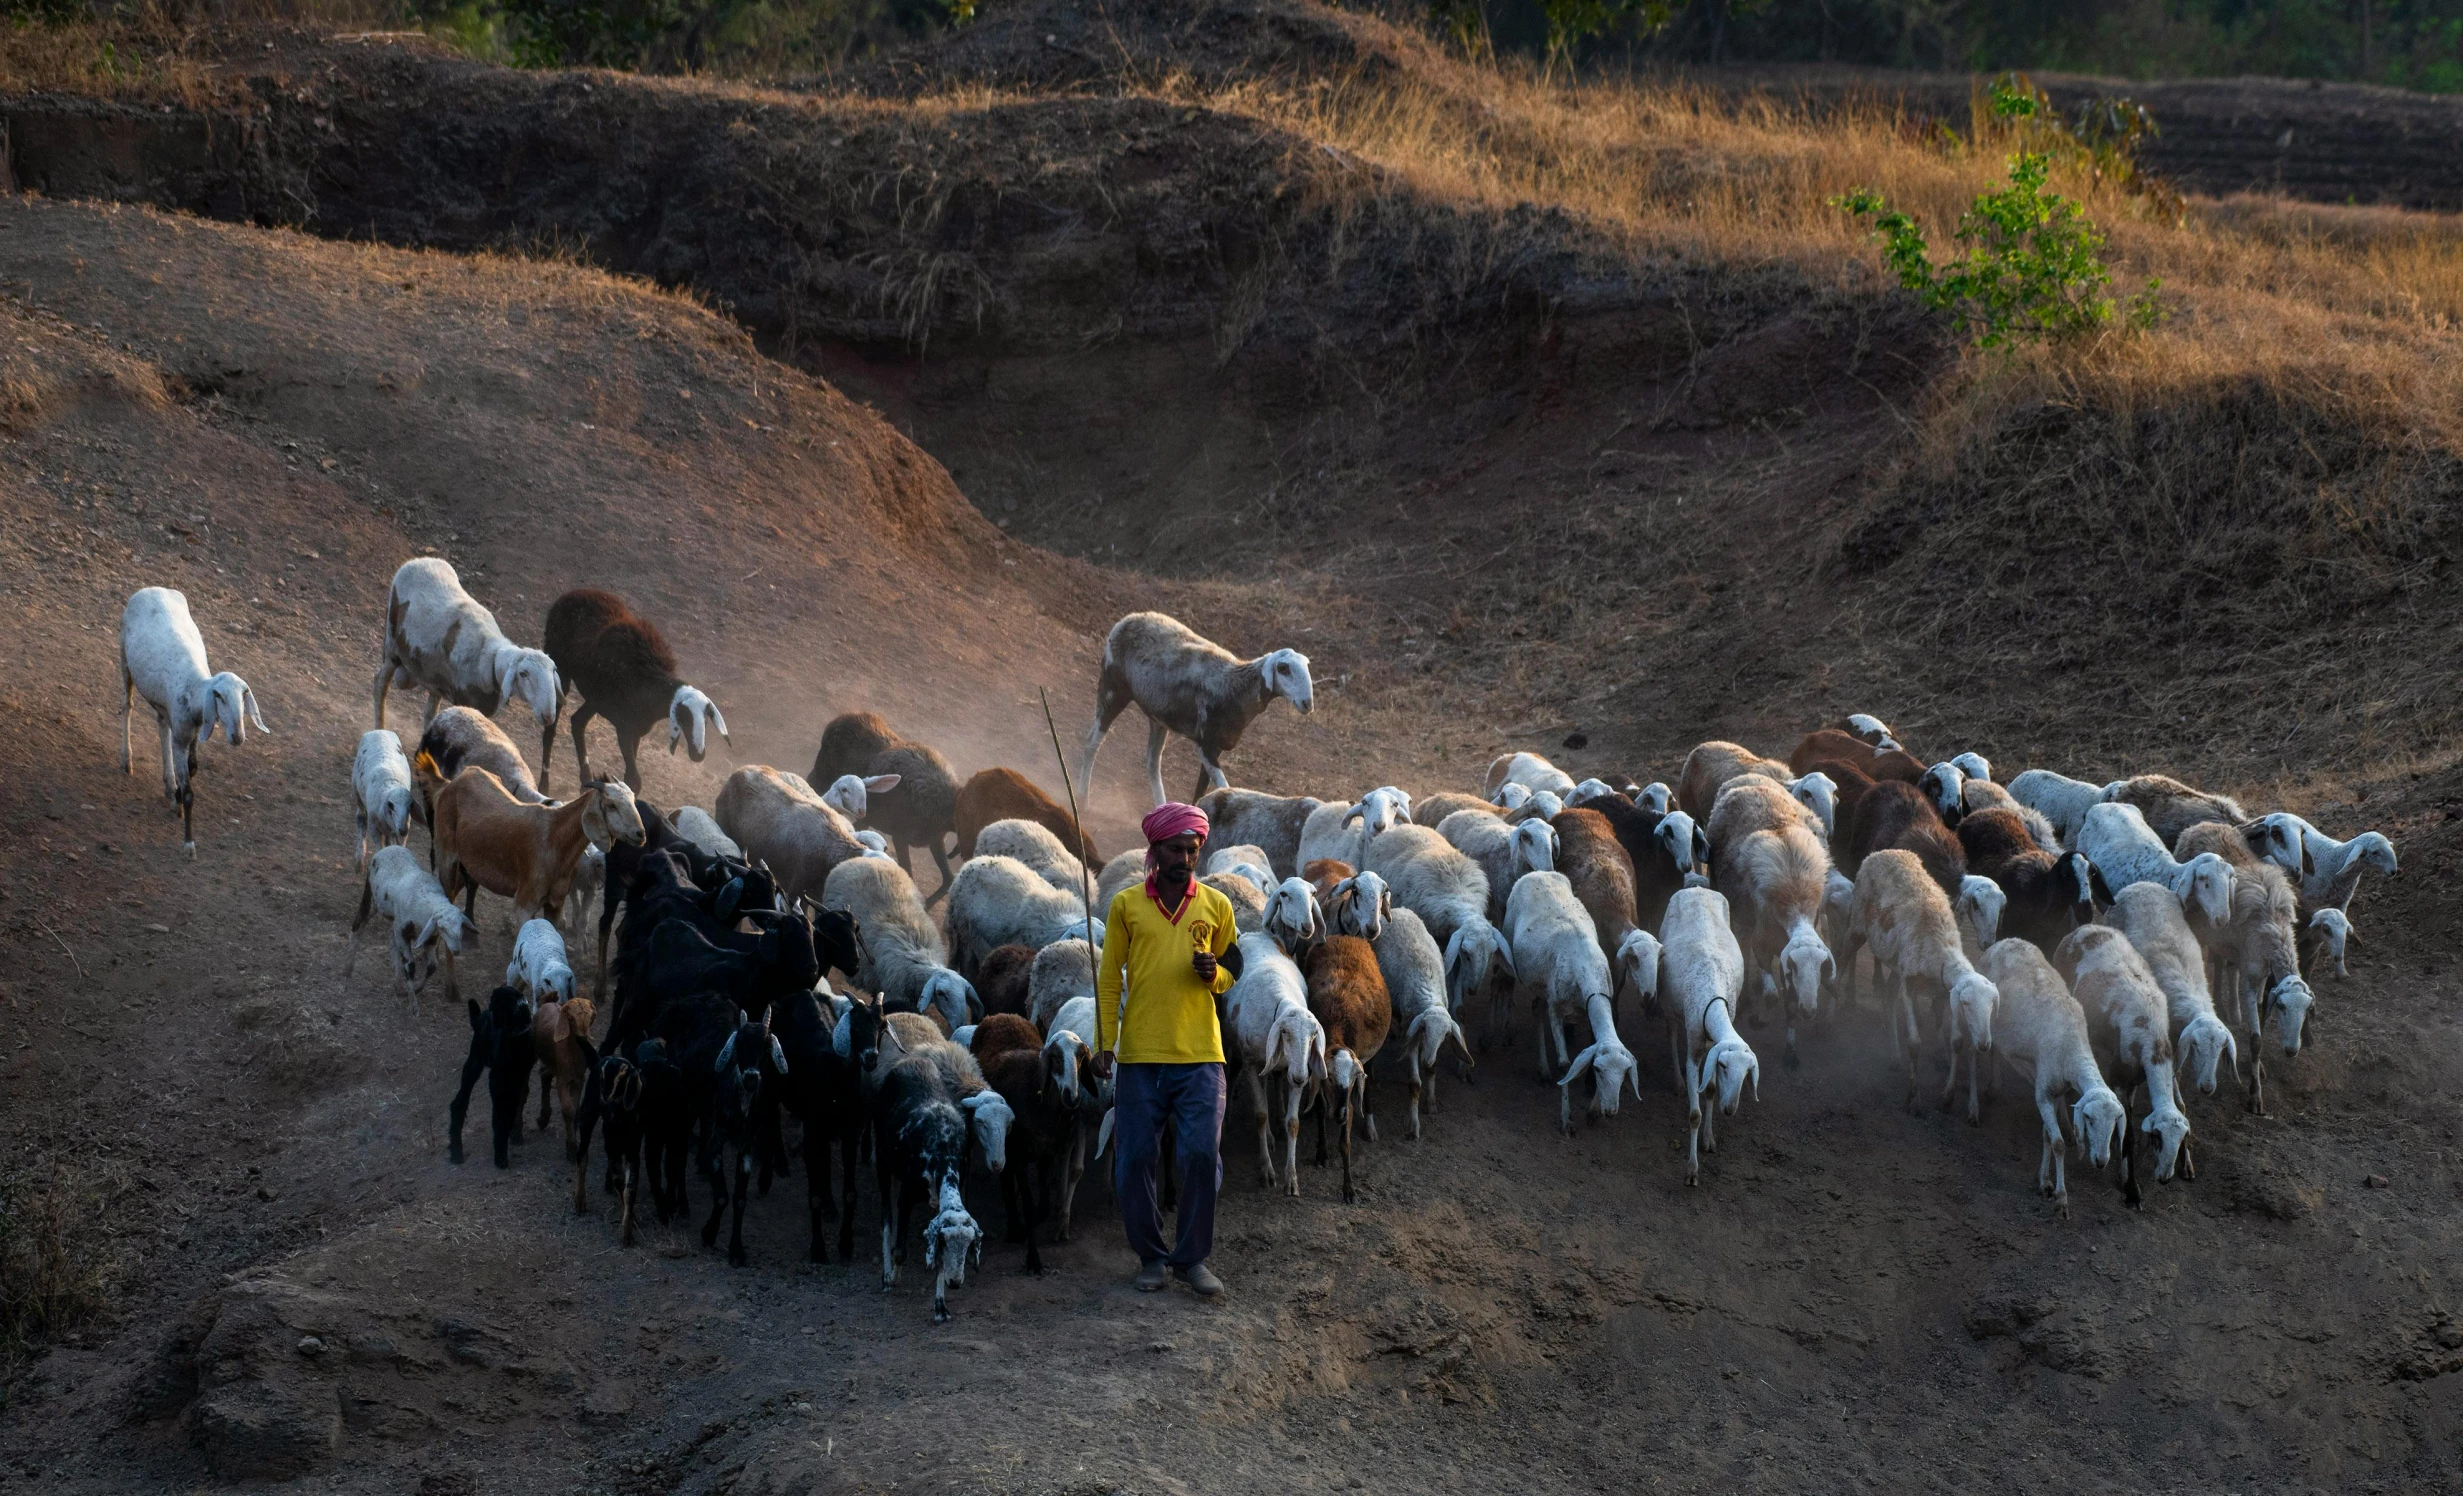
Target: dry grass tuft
{"points": [[57, 1255]]}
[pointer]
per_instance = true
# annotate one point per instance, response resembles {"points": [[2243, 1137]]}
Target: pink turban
{"points": [[1172, 819]]}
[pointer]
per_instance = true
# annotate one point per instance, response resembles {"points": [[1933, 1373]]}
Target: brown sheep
{"points": [[1002, 978], [1007, 795], [1322, 875], [2049, 896], [2172, 807], [1347, 995], [1711, 765], [1829, 743], [1000, 1033], [1897, 814], [1601, 872], [849, 745], [622, 669], [485, 838]]}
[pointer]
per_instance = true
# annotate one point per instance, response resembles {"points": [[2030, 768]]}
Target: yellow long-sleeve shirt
{"points": [[1170, 1017]]}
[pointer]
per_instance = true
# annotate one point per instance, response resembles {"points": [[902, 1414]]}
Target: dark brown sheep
{"points": [[2049, 896], [1347, 993], [616, 662], [1002, 980], [1830, 743], [1007, 795], [1896, 814]]}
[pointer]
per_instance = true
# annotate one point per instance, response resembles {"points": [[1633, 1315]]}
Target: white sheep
{"points": [[438, 639], [1127, 870], [777, 819], [2335, 931], [999, 901], [904, 960], [1360, 905], [1906, 920], [386, 799], [695, 825], [1450, 895], [1504, 853], [2061, 801], [1246, 891], [426, 928], [162, 658], [1340, 831], [2125, 1008], [2117, 839], [1775, 879], [539, 970], [1280, 1043], [2329, 870], [2041, 1029], [1701, 976], [1034, 844], [2255, 952], [2151, 920], [1529, 770], [1414, 972], [1292, 918], [1190, 685], [1559, 963]]}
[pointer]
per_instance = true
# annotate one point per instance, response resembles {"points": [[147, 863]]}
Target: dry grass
{"points": [[57, 1255]]}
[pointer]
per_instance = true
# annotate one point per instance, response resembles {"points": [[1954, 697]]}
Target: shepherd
{"points": [[1168, 953]]}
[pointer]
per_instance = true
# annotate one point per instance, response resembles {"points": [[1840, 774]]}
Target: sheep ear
{"points": [[1355, 813], [730, 898], [778, 1055], [1753, 1073], [1701, 847], [2309, 864], [881, 784], [1385, 905], [726, 1055], [1581, 1063], [248, 699], [716, 719]]}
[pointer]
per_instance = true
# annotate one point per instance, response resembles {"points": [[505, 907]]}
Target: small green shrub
{"points": [[2034, 264]]}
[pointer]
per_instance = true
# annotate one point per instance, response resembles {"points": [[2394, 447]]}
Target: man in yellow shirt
{"points": [[1168, 952]]}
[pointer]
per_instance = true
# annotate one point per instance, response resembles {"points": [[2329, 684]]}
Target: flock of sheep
{"points": [[2118, 943]]}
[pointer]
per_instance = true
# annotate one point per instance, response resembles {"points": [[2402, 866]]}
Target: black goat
{"points": [[726, 1058], [624, 671], [500, 1044], [822, 1087], [680, 961], [1660, 862], [659, 836], [919, 1139], [611, 1094]]}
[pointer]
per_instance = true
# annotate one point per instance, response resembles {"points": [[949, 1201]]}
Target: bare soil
{"points": [[1633, 528]]}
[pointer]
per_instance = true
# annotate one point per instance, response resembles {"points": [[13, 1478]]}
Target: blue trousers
{"points": [[1191, 1097]]}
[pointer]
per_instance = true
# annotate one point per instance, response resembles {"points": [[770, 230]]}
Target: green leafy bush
{"points": [[2033, 265]]}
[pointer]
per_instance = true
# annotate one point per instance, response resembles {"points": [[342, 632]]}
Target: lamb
{"points": [[1701, 975], [559, 1036], [1272, 823], [2152, 921], [695, 825], [1897, 815], [459, 738], [851, 796], [2329, 870], [1007, 795], [1561, 965], [2045, 896], [2330, 930], [539, 970], [623, 670], [2126, 850], [780, 822], [438, 639], [162, 657], [1032, 844], [2042, 1030], [1188, 685], [905, 961], [1347, 994], [500, 1045], [2062, 802], [1278, 1041], [1903, 915], [2171, 807], [1709, 768], [2125, 1009], [2256, 950], [1504, 853], [1601, 873], [1432, 810], [485, 838], [1528, 770], [386, 802], [1341, 831], [997, 901], [1414, 972], [1774, 872], [1450, 895], [425, 927]]}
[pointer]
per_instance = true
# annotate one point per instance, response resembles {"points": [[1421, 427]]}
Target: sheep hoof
{"points": [[453, 1153], [737, 1257]]}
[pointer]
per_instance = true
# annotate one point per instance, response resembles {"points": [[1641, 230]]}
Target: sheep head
{"points": [[1291, 915], [1980, 902], [1637, 960], [1587, 791], [1614, 1069], [1730, 1063], [1872, 729], [2205, 1041], [952, 994], [1361, 905], [2290, 999], [1808, 964], [851, 794], [690, 716], [1972, 1000], [1682, 842], [2282, 839], [1511, 796], [1474, 953], [2370, 847], [2098, 1119], [2334, 929], [1657, 798], [1974, 766], [1284, 673], [2206, 880], [2171, 1128], [990, 1116], [1942, 786], [1818, 793], [529, 676]]}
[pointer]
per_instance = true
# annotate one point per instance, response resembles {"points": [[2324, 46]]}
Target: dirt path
{"points": [[1854, 1298]]}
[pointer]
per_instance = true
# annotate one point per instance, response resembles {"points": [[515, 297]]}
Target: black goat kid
{"points": [[734, 1120], [500, 1045]]}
